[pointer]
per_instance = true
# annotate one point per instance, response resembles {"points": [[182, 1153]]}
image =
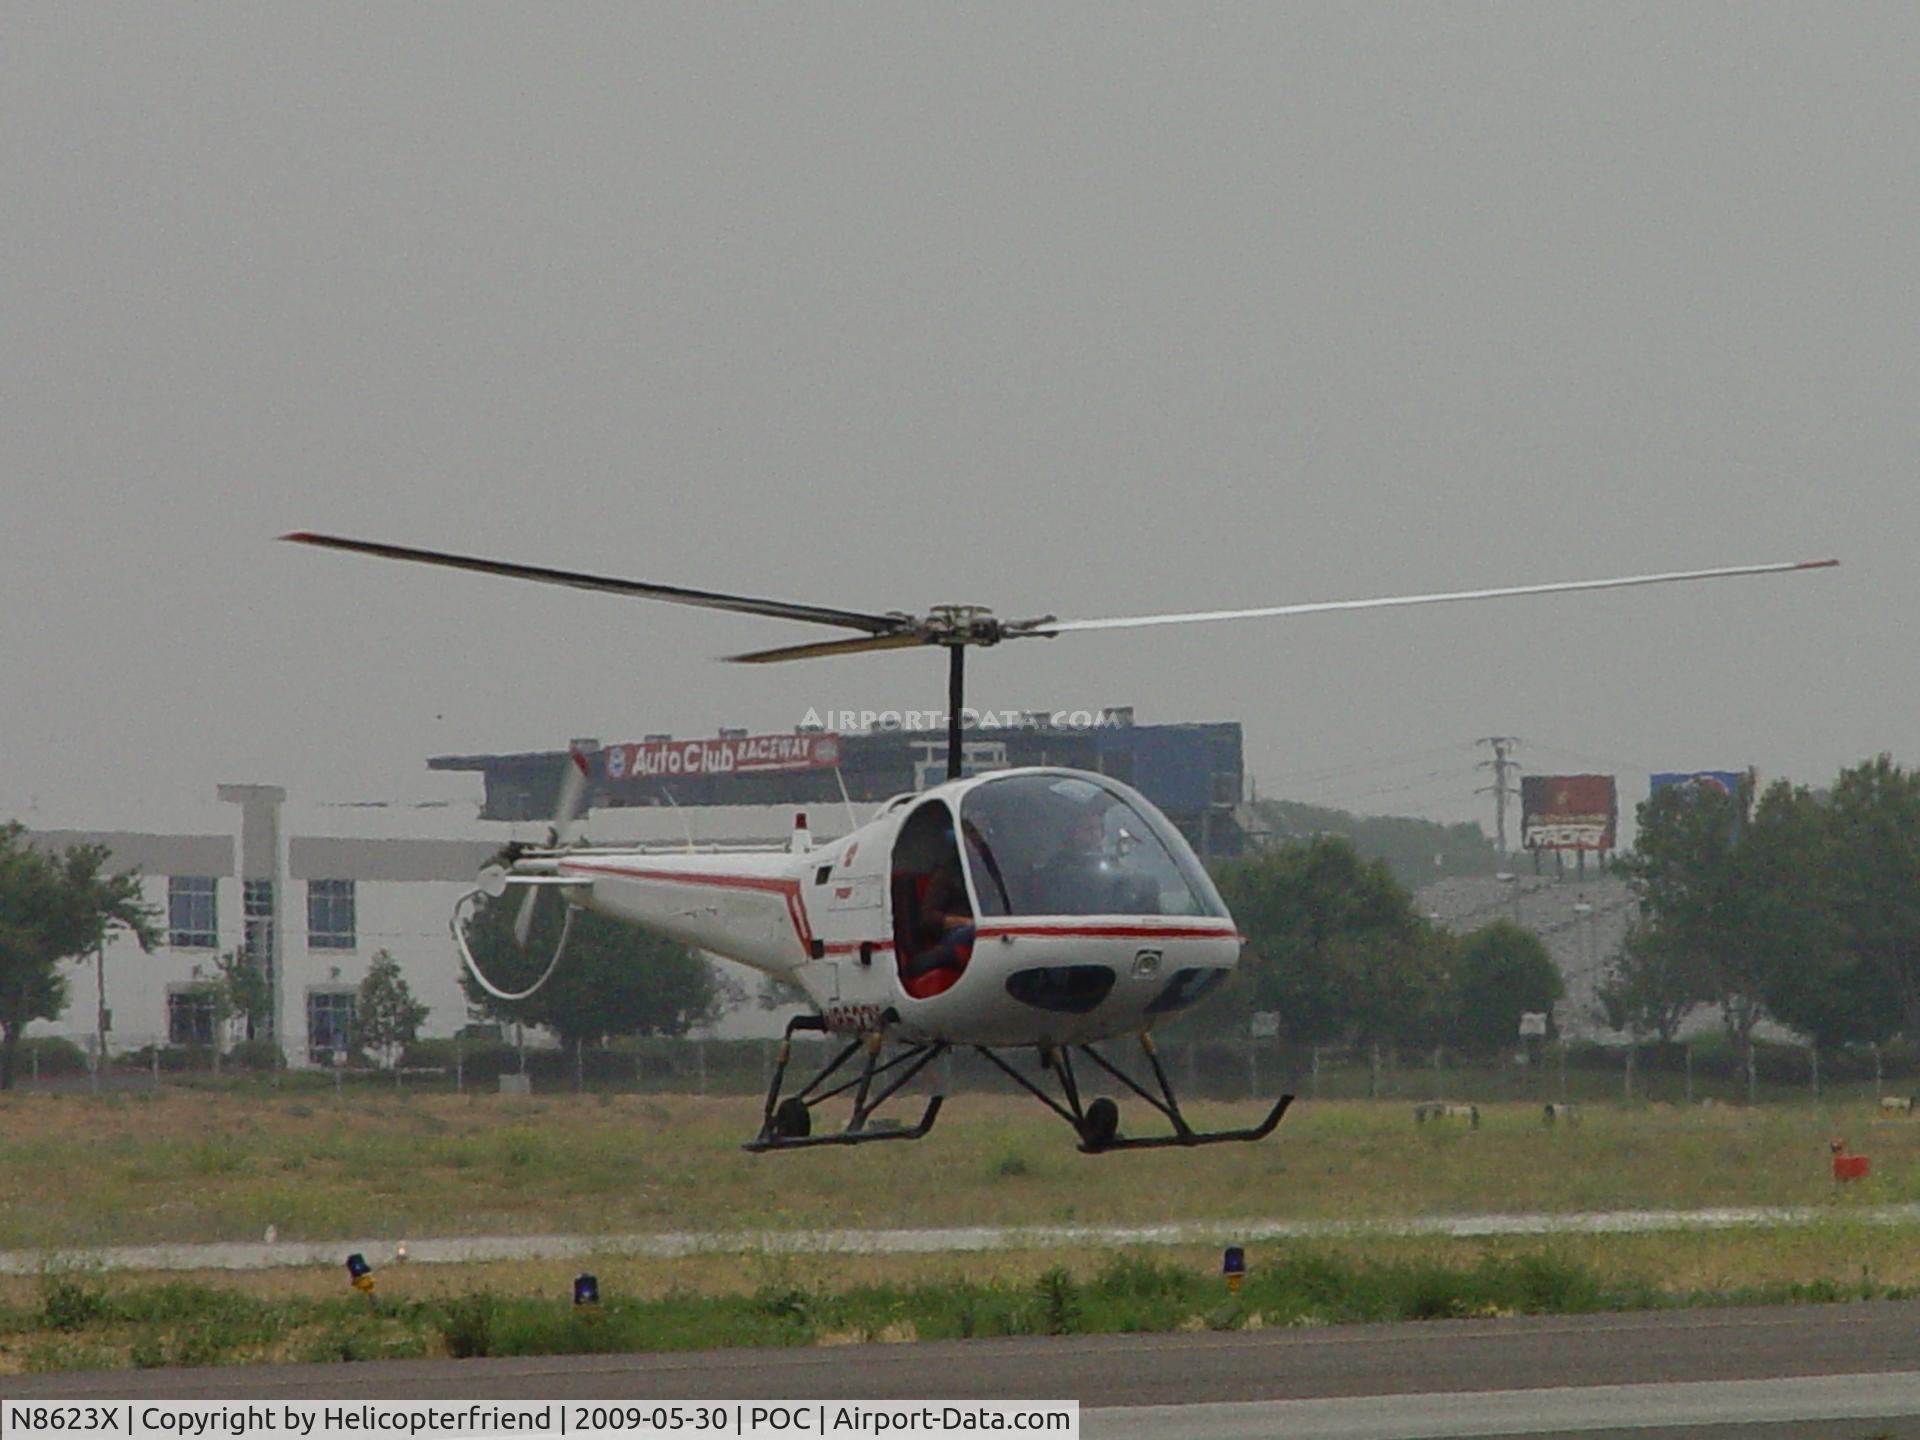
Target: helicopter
{"points": [[1032, 909]]}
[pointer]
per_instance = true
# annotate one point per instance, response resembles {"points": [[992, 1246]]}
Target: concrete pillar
{"points": [[262, 884]]}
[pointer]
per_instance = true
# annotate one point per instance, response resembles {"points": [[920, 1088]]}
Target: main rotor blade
{"points": [[1128, 622], [679, 595], [821, 649]]}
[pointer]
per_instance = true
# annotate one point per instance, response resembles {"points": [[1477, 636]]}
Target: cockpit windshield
{"points": [[1069, 845]]}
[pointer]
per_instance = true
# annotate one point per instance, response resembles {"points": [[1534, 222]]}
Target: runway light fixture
{"points": [[1233, 1265], [586, 1292], [360, 1273]]}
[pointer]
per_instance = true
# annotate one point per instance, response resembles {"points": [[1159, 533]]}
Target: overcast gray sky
{"points": [[1084, 309]]}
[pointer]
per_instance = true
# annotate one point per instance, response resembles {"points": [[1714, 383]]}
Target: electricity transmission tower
{"points": [[1503, 768]]}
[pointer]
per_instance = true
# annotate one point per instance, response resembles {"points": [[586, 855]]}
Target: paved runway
{"points": [[1775, 1372]]}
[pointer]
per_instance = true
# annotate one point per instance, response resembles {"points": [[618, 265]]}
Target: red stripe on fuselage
{"points": [[1104, 932]]}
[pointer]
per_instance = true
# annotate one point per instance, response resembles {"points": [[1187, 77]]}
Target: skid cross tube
{"points": [[773, 1136], [1094, 1140]]}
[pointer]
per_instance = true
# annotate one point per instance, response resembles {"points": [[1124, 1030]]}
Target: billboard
{"points": [[728, 755], [1725, 782], [1568, 812]]}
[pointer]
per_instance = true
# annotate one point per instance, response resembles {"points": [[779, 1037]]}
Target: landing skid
{"points": [[1098, 1123], [787, 1124]]}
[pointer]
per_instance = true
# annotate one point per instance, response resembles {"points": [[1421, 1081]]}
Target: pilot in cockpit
{"points": [[1075, 880]]}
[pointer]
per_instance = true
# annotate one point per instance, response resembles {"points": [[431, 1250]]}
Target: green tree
{"points": [[1650, 985], [241, 991], [1334, 945], [55, 908], [386, 1017], [1792, 870], [1418, 851], [1500, 972], [1739, 890], [615, 979], [1875, 884]]}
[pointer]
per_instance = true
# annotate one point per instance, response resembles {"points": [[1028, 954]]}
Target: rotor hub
{"points": [[962, 625]]}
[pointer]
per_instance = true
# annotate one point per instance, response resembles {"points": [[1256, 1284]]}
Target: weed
{"points": [[788, 1302], [72, 1302], [68, 1355], [1059, 1300], [1012, 1167], [521, 1147], [466, 1326], [219, 1155]]}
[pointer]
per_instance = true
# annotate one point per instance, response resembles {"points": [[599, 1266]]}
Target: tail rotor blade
{"points": [[573, 789], [523, 920]]}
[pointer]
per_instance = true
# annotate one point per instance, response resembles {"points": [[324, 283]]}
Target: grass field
{"points": [[182, 1165]]}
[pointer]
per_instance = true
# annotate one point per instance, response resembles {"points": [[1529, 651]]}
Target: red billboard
{"points": [[1568, 812], [728, 755]]}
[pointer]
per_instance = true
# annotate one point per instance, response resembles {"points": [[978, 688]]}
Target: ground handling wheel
{"points": [[1100, 1124], [793, 1121]]}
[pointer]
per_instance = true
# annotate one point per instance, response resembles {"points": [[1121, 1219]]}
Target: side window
{"points": [[925, 844], [193, 921], [329, 1024], [331, 923], [190, 1015]]}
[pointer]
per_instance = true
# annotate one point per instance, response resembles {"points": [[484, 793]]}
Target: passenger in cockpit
{"points": [[946, 921]]}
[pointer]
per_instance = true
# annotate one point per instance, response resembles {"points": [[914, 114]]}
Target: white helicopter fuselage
{"points": [[1136, 933]]}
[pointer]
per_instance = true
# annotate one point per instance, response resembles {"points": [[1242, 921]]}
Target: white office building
{"points": [[311, 893]]}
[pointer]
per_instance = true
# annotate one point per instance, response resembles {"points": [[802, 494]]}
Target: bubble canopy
{"points": [[1070, 844]]}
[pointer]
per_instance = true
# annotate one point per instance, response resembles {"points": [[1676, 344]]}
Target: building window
{"points": [[258, 911], [330, 918], [191, 1016], [192, 917], [329, 1024]]}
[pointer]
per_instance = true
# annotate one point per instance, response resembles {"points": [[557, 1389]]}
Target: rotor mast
{"points": [[956, 692]]}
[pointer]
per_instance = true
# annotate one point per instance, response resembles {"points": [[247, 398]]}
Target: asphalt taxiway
{"points": [[1833, 1371]]}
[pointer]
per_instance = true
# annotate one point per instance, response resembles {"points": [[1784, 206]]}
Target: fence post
{"points": [[1373, 1073], [1632, 1051], [1437, 1084], [1563, 1070], [1813, 1058], [459, 1067], [1878, 1084], [1689, 1074], [579, 1066], [1314, 1091]]}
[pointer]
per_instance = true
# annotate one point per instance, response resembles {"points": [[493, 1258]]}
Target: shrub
{"points": [[467, 1325], [260, 1056], [52, 1055], [72, 1302]]}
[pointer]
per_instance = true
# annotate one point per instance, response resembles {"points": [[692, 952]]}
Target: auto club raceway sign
{"points": [[728, 755]]}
